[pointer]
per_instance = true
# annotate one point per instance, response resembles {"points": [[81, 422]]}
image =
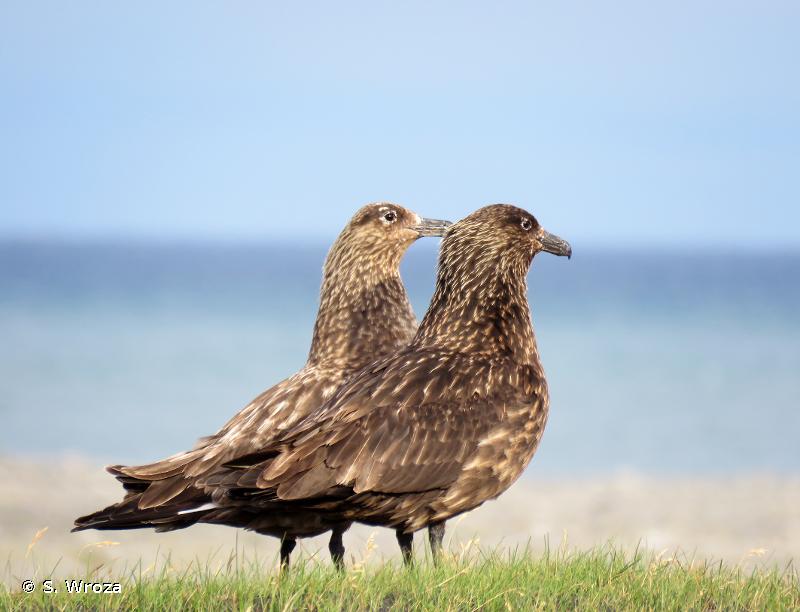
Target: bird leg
{"points": [[287, 546], [406, 542], [435, 536], [336, 547]]}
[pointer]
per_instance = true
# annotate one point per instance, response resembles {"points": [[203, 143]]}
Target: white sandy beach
{"points": [[747, 520]]}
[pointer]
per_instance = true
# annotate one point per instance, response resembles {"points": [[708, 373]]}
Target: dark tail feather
{"points": [[127, 514]]}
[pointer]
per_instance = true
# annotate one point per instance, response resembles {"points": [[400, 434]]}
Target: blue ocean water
{"points": [[662, 361]]}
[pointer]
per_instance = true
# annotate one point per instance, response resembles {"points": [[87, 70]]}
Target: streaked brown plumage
{"points": [[364, 314], [436, 428]]}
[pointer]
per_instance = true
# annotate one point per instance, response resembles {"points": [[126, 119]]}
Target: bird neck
{"points": [[364, 314], [488, 314]]}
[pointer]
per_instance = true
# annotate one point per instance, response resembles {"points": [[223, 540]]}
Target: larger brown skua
{"points": [[364, 314], [433, 430]]}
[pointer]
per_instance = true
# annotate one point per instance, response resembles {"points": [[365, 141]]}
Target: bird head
{"points": [[388, 222], [499, 235], [377, 237]]}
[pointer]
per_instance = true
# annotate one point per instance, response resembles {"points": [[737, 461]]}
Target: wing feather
{"points": [[391, 433]]}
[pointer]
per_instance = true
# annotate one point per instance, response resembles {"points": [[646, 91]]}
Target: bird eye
{"points": [[390, 216], [526, 224]]}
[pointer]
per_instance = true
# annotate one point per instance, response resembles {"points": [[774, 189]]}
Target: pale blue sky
{"points": [[615, 123]]}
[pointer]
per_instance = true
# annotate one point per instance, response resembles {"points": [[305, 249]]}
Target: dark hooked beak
{"points": [[431, 227], [555, 245]]}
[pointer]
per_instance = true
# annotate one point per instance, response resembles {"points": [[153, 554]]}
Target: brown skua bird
{"points": [[433, 430], [364, 314]]}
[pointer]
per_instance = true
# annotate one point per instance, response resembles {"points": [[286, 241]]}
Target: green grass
{"points": [[600, 579]]}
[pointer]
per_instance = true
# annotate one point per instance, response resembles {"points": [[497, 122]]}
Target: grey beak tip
{"points": [[555, 245], [432, 227]]}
